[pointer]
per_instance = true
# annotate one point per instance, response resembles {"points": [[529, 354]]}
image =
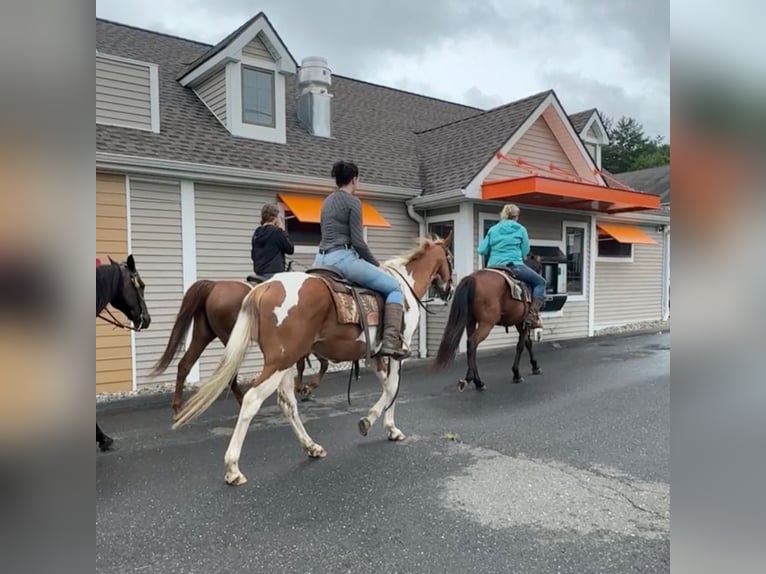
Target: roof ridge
{"points": [[485, 112], [155, 32], [408, 92]]}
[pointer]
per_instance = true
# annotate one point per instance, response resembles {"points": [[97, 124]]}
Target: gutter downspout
{"points": [[422, 339]]}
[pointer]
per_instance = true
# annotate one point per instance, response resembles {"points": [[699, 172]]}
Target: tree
{"points": [[630, 149]]}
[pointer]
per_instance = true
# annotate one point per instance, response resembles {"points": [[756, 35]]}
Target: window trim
{"points": [[611, 259], [441, 219], [273, 90], [586, 280]]}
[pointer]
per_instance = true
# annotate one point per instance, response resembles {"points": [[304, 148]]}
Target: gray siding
{"points": [[631, 292], [155, 211], [225, 218], [123, 94], [213, 92], [257, 49]]}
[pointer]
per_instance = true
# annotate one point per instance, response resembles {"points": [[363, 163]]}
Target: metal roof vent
{"points": [[314, 99]]}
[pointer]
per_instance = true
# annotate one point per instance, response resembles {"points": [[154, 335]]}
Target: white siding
{"points": [[631, 292], [213, 92], [123, 95], [155, 211], [225, 218], [257, 49]]}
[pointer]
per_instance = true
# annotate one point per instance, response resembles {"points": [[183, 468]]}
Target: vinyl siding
{"points": [[123, 94], [258, 50], [213, 92], [114, 367], [631, 292], [155, 210], [225, 218]]}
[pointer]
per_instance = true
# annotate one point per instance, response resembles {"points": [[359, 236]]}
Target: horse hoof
{"points": [[518, 380], [316, 451], [461, 385], [106, 444], [396, 436], [236, 479], [537, 371], [480, 386], [364, 426]]}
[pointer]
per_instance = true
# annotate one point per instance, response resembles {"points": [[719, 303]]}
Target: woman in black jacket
{"points": [[270, 244]]}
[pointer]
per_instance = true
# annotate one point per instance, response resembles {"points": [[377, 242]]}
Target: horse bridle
{"points": [[112, 319], [421, 304]]}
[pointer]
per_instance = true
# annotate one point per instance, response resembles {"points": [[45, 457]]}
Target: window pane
{"points": [[575, 260], [302, 233], [609, 247], [257, 97], [442, 229], [487, 224]]}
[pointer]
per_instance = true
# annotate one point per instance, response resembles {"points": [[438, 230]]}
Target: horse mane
{"points": [[421, 245], [107, 284]]}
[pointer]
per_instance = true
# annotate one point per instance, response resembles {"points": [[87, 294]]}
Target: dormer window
{"points": [[258, 96]]}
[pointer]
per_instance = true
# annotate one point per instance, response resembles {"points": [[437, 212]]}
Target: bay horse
{"points": [[120, 285], [483, 300], [214, 306], [296, 313]]}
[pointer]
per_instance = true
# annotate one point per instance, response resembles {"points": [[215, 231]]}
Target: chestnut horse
{"points": [[292, 315], [482, 300], [214, 306]]}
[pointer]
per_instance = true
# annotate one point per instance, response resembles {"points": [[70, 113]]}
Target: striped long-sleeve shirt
{"points": [[341, 224]]}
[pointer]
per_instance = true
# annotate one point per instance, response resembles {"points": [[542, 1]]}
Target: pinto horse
{"points": [[296, 313], [482, 300], [120, 285], [214, 306]]}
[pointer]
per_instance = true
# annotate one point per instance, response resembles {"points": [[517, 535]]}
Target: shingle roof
{"points": [[374, 126], [451, 155], [655, 180], [579, 119]]}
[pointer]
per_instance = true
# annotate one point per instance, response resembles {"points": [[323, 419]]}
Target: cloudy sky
{"points": [[609, 54]]}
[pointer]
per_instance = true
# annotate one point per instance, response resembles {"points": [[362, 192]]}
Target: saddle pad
{"points": [[345, 306], [517, 291], [348, 311]]}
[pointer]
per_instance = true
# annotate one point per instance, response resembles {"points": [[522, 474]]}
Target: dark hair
{"points": [[344, 172], [269, 212]]}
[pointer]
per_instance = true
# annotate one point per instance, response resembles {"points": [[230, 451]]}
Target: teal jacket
{"points": [[506, 242]]}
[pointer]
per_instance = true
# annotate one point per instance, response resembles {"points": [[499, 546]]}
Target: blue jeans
{"points": [[528, 275], [356, 269]]}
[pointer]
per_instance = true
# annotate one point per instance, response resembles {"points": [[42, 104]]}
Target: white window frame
{"points": [[453, 217], [586, 258], [483, 217], [234, 121], [263, 70]]}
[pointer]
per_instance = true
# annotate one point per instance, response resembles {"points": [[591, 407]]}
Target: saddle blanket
{"points": [[518, 292], [349, 313]]}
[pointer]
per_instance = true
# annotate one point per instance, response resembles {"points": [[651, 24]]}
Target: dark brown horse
{"points": [[483, 300], [294, 314], [120, 285], [213, 306]]}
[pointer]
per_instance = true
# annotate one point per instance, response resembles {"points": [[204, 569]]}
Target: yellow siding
{"points": [[114, 371]]}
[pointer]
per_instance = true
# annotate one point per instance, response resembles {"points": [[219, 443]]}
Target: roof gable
{"points": [[230, 49], [579, 119]]}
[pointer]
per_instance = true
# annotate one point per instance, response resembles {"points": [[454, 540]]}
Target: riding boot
{"points": [[392, 332], [533, 314]]}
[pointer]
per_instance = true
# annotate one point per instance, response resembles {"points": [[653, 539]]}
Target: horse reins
{"points": [[114, 321]]}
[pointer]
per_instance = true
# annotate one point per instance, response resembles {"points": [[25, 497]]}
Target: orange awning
{"points": [[307, 208], [564, 194], [626, 233]]}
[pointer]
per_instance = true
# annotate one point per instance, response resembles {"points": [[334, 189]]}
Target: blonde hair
{"points": [[510, 211]]}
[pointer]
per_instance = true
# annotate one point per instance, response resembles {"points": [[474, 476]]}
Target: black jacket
{"points": [[268, 248]]}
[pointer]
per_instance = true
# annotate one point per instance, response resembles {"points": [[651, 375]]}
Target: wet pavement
{"points": [[567, 472]]}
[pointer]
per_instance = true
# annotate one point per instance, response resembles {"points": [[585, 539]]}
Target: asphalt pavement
{"points": [[566, 472]]}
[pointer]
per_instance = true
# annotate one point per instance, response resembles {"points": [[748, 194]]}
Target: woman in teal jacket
{"points": [[507, 245]]}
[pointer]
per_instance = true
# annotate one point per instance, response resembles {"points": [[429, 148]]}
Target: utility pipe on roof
{"points": [[422, 230]]}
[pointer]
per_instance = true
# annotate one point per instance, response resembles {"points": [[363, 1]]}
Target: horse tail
{"points": [[460, 314], [245, 330], [194, 299]]}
